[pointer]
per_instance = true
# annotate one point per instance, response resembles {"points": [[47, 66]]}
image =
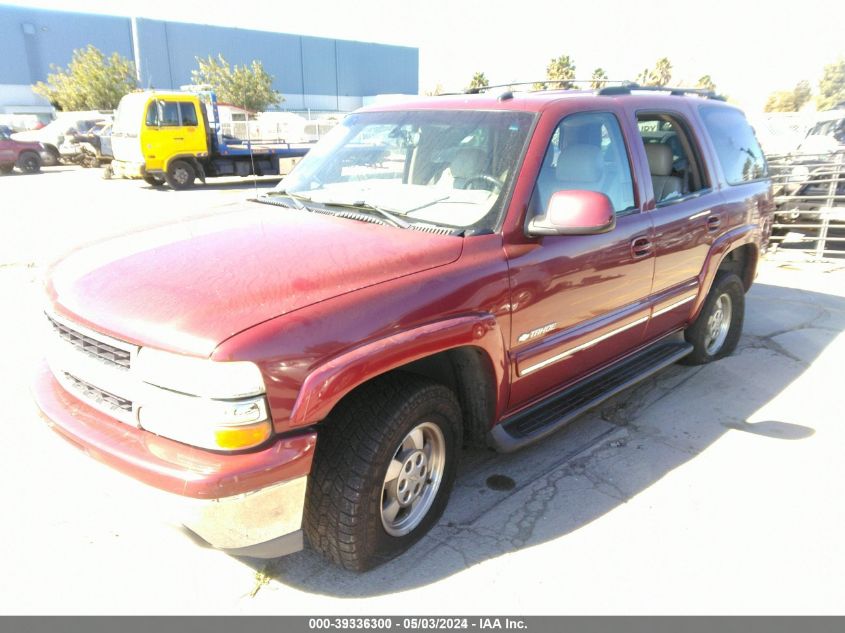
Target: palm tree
{"points": [[599, 79], [479, 80]]}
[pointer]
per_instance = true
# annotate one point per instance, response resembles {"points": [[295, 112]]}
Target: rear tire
{"points": [[29, 163], [6, 169], [716, 331], [180, 174], [383, 471], [153, 181]]}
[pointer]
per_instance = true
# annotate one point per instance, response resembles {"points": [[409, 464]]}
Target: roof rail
{"points": [[627, 88], [544, 82]]}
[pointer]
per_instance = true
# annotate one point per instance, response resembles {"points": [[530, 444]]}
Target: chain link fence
{"points": [[810, 205]]}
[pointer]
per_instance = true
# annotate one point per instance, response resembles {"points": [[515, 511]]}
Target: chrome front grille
{"points": [[97, 395], [94, 367], [91, 346]]}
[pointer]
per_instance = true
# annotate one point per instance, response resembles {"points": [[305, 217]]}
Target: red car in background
{"points": [[27, 156]]}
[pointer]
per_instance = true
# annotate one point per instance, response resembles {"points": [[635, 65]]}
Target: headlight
{"points": [[198, 376], [214, 424], [216, 405]]}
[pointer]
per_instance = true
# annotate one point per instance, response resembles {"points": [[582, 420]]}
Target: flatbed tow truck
{"points": [[175, 137]]}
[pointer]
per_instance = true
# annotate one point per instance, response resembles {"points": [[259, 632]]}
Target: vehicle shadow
{"points": [[19, 174], [263, 183], [504, 503]]}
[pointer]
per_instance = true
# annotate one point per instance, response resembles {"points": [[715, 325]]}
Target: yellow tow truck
{"points": [[176, 137]]}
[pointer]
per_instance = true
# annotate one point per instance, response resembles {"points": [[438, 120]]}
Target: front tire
{"points": [[383, 471], [180, 174], [716, 331], [52, 156]]}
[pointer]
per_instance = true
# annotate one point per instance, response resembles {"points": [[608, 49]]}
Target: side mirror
{"points": [[575, 212]]}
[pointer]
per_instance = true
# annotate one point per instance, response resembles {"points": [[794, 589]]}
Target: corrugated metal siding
{"points": [[366, 69], [154, 60], [32, 39], [311, 72]]}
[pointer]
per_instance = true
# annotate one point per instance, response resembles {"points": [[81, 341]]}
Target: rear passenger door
{"points": [[685, 209]]}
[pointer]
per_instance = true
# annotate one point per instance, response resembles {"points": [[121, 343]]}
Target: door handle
{"points": [[178, 138], [641, 247], [713, 223]]}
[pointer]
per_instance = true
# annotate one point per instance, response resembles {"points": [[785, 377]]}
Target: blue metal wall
{"points": [[310, 72], [31, 40]]}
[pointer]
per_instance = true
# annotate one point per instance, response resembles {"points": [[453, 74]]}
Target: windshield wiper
{"points": [[387, 215], [363, 205], [295, 198]]}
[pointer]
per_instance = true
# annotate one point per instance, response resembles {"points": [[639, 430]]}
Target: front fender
{"points": [[331, 381]]}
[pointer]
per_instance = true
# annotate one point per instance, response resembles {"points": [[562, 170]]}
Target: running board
{"points": [[558, 410]]}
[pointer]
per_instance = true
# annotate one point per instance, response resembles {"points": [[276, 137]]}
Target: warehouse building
{"points": [[312, 73]]}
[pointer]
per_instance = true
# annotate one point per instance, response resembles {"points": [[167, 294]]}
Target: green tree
{"points": [[479, 80], [802, 92], [705, 82], [561, 70], [247, 86], [437, 90], [598, 79], [780, 101], [91, 81], [832, 85], [660, 75], [789, 100]]}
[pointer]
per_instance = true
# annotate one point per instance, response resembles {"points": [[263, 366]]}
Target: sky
{"points": [[749, 48]]}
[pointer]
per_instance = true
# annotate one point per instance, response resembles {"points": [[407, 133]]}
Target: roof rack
{"points": [[544, 82], [627, 88]]}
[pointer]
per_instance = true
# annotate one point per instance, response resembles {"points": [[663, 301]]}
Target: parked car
{"points": [[807, 178], [26, 156], [490, 268], [52, 135], [91, 148]]}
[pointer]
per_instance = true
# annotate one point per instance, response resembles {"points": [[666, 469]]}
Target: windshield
{"points": [[834, 128], [443, 167]]}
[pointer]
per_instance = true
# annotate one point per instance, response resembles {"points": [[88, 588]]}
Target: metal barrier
{"points": [[810, 204]]}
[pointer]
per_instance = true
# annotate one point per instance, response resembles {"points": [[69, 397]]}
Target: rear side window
{"points": [[739, 152]]}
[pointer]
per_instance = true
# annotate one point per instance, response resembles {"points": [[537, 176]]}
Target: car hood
{"points": [[190, 286], [30, 136]]}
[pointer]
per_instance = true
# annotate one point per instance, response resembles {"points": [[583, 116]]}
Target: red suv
{"points": [[26, 155], [473, 268]]}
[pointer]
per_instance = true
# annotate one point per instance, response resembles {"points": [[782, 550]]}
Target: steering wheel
{"points": [[497, 184]]}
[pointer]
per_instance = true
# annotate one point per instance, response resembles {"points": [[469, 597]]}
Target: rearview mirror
{"points": [[575, 212]]}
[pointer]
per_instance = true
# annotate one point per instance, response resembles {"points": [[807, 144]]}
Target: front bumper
{"points": [[124, 169], [247, 504]]}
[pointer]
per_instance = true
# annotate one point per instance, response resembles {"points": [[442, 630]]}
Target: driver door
{"points": [[580, 301]]}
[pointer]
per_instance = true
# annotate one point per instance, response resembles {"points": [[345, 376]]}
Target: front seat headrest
{"points": [[580, 163]]}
